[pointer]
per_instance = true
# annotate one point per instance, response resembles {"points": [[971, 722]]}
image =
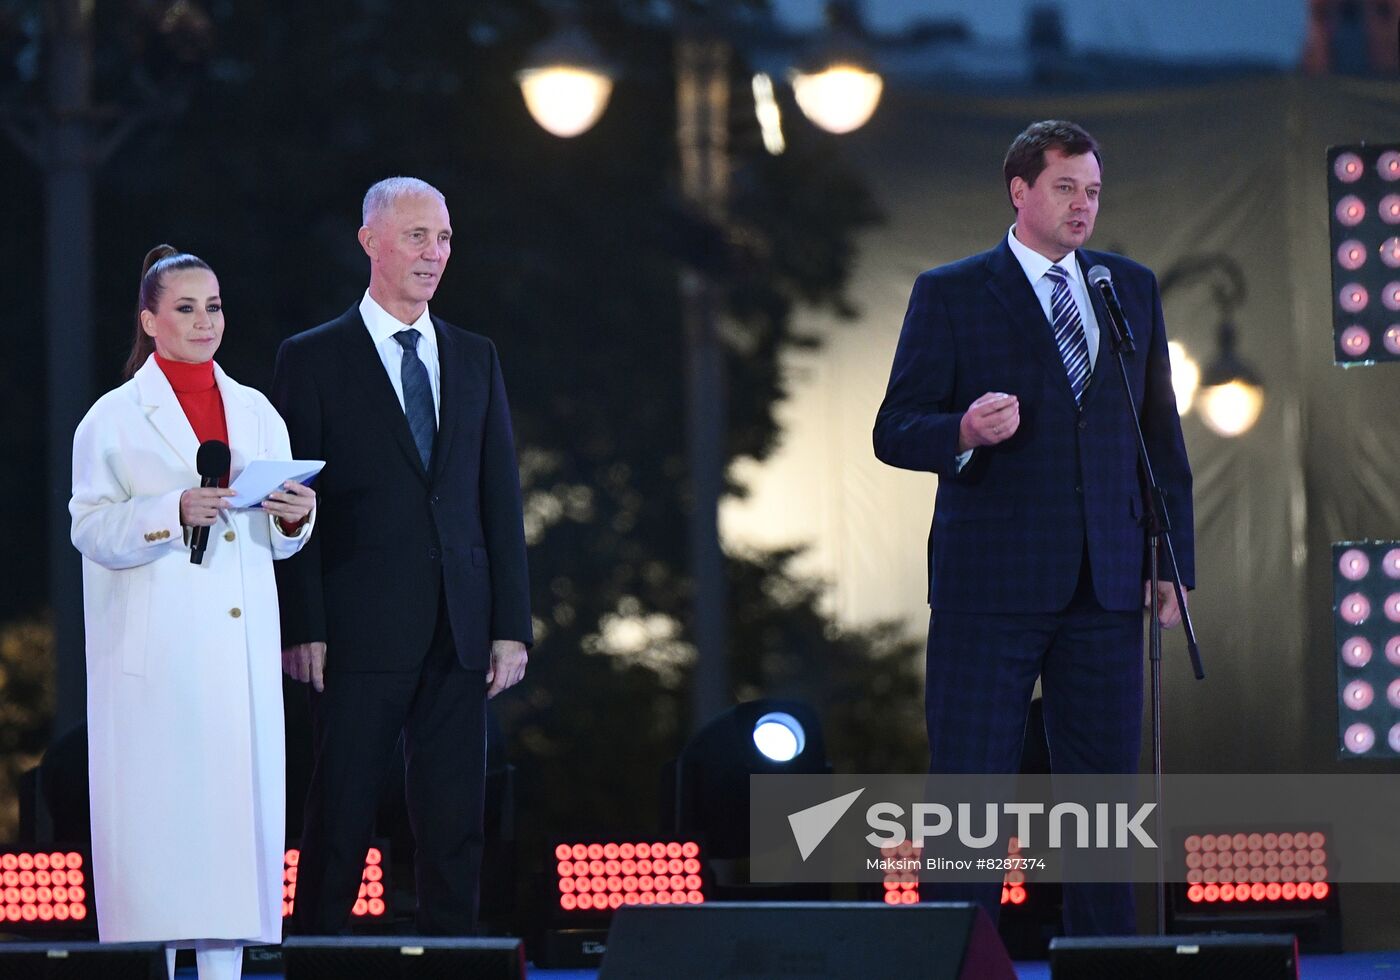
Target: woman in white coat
{"points": [[185, 731]]}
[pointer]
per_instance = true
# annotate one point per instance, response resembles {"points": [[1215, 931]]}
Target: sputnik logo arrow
{"points": [[810, 826]]}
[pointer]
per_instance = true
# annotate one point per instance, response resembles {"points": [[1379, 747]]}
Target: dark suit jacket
{"points": [[390, 537], [1009, 530]]}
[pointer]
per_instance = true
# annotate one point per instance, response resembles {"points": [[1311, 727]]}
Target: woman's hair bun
{"points": [[155, 255]]}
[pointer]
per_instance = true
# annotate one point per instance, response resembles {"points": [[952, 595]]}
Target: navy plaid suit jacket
{"points": [[1009, 529]]}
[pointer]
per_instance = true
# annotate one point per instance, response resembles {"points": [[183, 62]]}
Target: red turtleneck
{"points": [[199, 396]]}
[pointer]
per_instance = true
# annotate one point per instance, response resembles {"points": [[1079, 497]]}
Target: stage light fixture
{"points": [[45, 891], [902, 887], [1366, 601], [779, 736], [1365, 252], [372, 903], [1257, 879], [1272, 866], [708, 783], [1013, 884], [596, 878], [593, 878]]}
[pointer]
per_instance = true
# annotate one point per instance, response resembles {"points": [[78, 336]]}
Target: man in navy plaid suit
{"points": [[1004, 385]]}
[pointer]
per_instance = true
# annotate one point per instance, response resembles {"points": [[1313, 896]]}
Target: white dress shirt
{"points": [[1036, 265], [382, 327]]}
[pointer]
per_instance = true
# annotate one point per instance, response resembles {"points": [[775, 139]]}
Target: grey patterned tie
{"points": [[1069, 332], [417, 396]]}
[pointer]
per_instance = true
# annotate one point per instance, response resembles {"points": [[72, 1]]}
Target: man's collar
{"points": [[383, 325], [1035, 264]]}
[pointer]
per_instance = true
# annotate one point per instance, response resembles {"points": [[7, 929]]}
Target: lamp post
{"points": [[702, 144], [1230, 395], [837, 92]]}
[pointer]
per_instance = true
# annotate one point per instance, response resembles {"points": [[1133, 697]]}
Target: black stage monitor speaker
{"points": [[1241, 957], [803, 941], [402, 958], [82, 961]]}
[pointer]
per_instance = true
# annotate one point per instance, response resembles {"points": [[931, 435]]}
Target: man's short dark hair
{"points": [[1026, 157]]}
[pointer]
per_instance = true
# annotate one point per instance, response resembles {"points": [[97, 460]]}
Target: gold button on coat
{"points": [[235, 612], [228, 535]]}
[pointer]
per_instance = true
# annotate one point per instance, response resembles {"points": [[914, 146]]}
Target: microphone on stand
{"points": [[212, 461], [1102, 279]]}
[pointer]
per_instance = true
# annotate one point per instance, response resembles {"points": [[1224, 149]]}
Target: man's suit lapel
{"points": [[451, 378], [372, 384], [1008, 283]]}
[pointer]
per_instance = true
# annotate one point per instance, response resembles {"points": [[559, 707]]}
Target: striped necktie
{"points": [[417, 396], [1069, 332]]}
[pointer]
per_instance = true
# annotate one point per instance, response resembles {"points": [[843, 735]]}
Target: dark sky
{"points": [[1260, 29]]}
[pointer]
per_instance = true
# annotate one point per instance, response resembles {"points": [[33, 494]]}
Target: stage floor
{"points": [[1347, 966]]}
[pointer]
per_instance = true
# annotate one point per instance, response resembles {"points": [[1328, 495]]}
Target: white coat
{"points": [[185, 735]]}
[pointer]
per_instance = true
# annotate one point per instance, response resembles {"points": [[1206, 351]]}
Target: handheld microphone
{"points": [[1102, 279], [212, 461]]}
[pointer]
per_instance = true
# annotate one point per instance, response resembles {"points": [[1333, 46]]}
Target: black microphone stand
{"points": [[1159, 535]]}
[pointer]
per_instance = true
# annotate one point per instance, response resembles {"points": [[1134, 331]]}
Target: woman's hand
{"points": [[292, 506], [200, 506]]}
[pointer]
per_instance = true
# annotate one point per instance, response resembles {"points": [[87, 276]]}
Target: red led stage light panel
{"points": [[901, 887], [45, 891], [372, 903], [1364, 198], [1366, 621], [1265, 866], [595, 878]]}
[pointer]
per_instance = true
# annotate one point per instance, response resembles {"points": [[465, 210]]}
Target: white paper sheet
{"points": [[262, 476]]}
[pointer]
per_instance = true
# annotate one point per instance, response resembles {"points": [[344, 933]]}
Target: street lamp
{"points": [[835, 87], [840, 97], [566, 83], [1232, 395]]}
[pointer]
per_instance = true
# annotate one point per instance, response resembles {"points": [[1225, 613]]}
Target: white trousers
{"points": [[217, 959]]}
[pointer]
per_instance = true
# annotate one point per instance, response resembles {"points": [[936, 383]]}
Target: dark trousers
{"points": [[981, 676], [440, 709]]}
